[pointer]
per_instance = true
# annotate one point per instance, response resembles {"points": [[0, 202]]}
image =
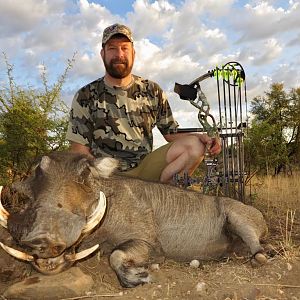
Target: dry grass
{"points": [[282, 192], [279, 200]]}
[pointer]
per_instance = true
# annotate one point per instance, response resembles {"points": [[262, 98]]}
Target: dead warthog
{"points": [[74, 201]]}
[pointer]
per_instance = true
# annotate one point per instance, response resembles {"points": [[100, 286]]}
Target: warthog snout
{"points": [[44, 246]]}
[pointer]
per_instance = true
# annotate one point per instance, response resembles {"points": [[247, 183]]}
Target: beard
{"points": [[118, 68]]}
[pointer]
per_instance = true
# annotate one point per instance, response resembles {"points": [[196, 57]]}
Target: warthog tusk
{"points": [[16, 253], [95, 218], [82, 254], [3, 212]]}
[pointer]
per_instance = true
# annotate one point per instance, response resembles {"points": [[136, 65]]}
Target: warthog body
{"points": [[144, 222]]}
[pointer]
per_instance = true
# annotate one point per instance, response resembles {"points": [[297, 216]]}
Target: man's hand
{"points": [[213, 145]]}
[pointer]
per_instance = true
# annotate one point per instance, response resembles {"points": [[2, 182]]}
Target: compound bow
{"points": [[231, 77]]}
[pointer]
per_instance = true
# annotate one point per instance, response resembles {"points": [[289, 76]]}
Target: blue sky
{"points": [[117, 7], [175, 41]]}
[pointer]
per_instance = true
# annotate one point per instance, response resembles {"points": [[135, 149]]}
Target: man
{"points": [[115, 114]]}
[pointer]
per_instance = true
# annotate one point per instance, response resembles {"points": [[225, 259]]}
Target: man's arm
{"points": [[79, 148]]}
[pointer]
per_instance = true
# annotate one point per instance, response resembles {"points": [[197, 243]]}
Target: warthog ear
{"points": [[22, 187], [106, 166]]}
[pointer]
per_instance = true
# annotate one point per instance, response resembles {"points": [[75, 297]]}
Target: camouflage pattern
{"points": [[115, 29], [118, 122]]}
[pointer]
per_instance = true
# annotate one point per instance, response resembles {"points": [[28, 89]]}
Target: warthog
{"points": [[143, 222]]}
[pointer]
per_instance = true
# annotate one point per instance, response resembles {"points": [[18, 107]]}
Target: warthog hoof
{"points": [[259, 259], [131, 277]]}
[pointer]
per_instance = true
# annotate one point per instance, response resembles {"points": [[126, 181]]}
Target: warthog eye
{"points": [[57, 250], [85, 173]]}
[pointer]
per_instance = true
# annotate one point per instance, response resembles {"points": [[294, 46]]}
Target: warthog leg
{"points": [[130, 261], [248, 223]]}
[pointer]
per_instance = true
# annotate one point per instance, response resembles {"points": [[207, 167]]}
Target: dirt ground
{"points": [[232, 278], [229, 279]]}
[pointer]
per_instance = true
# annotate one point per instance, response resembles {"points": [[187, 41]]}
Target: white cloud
{"points": [[213, 7], [157, 64], [94, 16], [295, 41], [269, 51], [287, 73], [262, 20], [175, 42], [257, 85], [19, 16], [88, 66], [150, 18], [264, 9]]}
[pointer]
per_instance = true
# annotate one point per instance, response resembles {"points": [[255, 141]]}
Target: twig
{"points": [[91, 296], [278, 285], [275, 285]]}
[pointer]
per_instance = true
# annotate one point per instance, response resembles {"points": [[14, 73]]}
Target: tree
{"points": [[273, 139], [33, 122], [294, 125]]}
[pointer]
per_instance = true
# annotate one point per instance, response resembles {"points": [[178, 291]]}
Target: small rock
{"points": [[201, 287], [289, 266], [281, 292], [71, 283], [154, 267], [195, 263], [252, 293]]}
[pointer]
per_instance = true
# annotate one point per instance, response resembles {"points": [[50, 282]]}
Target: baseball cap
{"points": [[116, 29]]}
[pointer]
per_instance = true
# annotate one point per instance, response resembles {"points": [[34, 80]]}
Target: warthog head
{"points": [[64, 205]]}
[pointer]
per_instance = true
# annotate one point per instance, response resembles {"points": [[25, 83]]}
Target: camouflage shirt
{"points": [[118, 122]]}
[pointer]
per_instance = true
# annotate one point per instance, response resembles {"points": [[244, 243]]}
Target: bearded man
{"points": [[114, 116]]}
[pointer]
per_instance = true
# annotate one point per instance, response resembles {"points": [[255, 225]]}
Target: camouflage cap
{"points": [[116, 29]]}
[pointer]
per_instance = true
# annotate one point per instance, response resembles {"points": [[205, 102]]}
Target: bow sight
{"points": [[225, 174]]}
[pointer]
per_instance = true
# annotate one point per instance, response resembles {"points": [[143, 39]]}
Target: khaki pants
{"points": [[151, 166]]}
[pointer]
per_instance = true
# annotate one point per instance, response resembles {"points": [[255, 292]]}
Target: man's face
{"points": [[118, 57]]}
